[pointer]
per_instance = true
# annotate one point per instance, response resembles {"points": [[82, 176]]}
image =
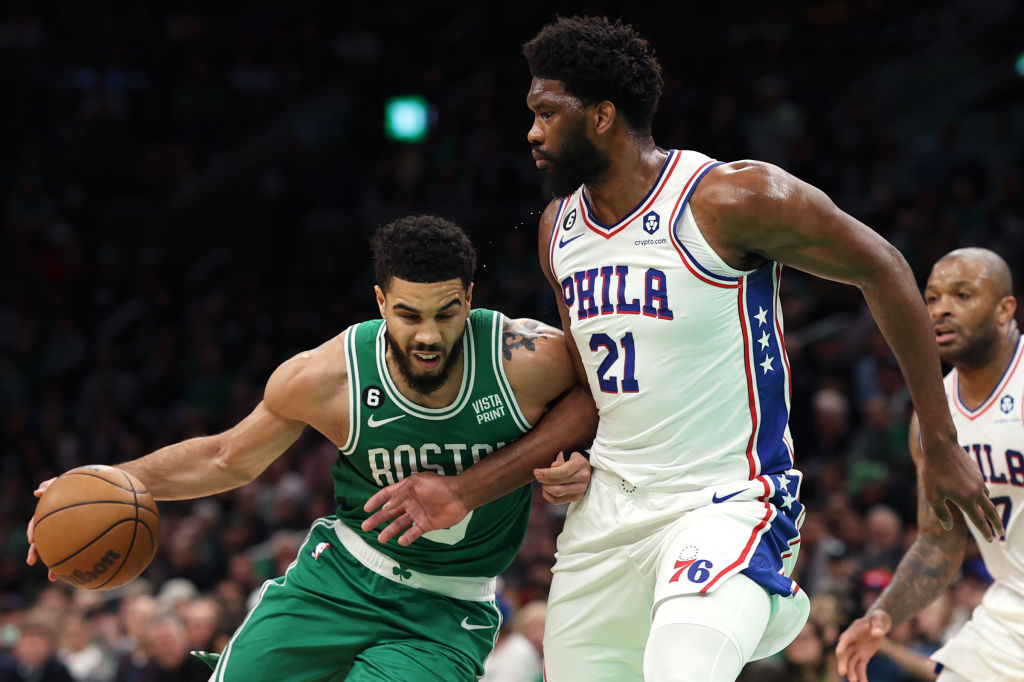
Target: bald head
{"points": [[993, 267], [970, 300]]}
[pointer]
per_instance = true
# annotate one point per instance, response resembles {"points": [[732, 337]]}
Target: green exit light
{"points": [[406, 119], [1020, 65]]}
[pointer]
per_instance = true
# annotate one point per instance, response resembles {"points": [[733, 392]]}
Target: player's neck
{"points": [[976, 383], [629, 179]]}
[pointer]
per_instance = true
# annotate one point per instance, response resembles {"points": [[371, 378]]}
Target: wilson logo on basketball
{"points": [[106, 562]]}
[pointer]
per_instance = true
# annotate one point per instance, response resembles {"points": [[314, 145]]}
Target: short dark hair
{"points": [[422, 248], [597, 60]]}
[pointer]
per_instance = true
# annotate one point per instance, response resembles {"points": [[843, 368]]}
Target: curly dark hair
{"points": [[422, 248], [597, 60]]}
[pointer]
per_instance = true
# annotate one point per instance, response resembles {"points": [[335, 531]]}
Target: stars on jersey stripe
{"points": [[762, 320]]}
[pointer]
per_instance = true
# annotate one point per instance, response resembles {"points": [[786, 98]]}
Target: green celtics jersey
{"points": [[390, 437]]}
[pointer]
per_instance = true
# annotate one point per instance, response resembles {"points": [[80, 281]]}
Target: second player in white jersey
{"points": [[717, 408], [991, 645], [970, 300], [994, 435]]}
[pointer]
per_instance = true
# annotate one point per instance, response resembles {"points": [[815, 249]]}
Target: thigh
{"points": [[715, 633], [711, 546], [309, 624], [412, 661], [598, 617], [319, 620]]}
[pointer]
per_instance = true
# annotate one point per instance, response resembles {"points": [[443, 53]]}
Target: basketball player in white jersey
{"points": [[666, 264], [970, 299]]}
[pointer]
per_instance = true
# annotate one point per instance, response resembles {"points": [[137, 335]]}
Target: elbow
{"points": [[229, 466], [885, 269]]}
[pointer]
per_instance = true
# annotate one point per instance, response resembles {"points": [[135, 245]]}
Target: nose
{"points": [[535, 135], [428, 333]]}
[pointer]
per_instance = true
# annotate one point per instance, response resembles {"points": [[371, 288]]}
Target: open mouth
{"points": [[427, 361], [944, 335]]}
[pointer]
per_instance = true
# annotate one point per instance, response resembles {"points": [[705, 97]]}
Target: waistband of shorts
{"points": [[457, 587], [613, 480], [739, 490]]}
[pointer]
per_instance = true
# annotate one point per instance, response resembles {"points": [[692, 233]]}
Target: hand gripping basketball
{"points": [[96, 527]]}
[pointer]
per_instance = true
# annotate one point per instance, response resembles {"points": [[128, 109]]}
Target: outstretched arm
{"points": [[752, 211], [922, 575], [211, 464], [296, 394]]}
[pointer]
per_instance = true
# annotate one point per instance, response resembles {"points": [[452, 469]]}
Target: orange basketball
{"points": [[97, 527]]}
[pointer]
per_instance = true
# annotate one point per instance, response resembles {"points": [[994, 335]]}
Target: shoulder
{"points": [[308, 380], [547, 218], [547, 224], [742, 187], [536, 358]]}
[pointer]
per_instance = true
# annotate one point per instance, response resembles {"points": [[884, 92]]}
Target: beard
{"points": [[578, 162], [974, 350], [424, 384]]}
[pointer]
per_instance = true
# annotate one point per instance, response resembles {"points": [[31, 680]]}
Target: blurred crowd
{"points": [[186, 196]]}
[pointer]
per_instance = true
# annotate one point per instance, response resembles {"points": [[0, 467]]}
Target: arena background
{"points": [[187, 193]]}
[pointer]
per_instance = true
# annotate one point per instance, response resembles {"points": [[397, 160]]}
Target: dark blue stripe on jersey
{"points": [[675, 234], [769, 369], [766, 561], [590, 210]]}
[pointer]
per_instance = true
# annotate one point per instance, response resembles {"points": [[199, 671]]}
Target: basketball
{"points": [[96, 527]]}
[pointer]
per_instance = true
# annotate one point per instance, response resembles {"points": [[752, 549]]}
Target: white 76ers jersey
{"points": [[684, 355], [993, 435]]}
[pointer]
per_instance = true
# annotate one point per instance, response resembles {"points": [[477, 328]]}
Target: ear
{"points": [[469, 295], [380, 299], [604, 115], [1006, 308]]}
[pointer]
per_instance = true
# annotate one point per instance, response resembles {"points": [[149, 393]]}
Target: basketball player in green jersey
{"points": [[433, 386]]}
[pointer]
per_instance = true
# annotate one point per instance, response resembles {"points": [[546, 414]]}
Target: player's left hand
{"points": [[30, 532], [859, 642], [950, 474], [566, 480], [416, 505]]}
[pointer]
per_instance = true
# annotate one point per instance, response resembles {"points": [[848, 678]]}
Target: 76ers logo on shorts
{"points": [[696, 570]]}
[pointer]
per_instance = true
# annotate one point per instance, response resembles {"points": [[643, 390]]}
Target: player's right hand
{"points": [[416, 505], [859, 642], [30, 533]]}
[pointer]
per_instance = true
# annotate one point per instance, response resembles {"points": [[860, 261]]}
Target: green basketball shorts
{"points": [[344, 611]]}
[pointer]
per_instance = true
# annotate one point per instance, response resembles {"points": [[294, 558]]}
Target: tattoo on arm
{"points": [[925, 571], [520, 335]]}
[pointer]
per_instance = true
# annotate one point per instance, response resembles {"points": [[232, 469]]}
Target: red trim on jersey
{"points": [[754, 535], [990, 401], [551, 239], [682, 253], [608, 233], [750, 381]]}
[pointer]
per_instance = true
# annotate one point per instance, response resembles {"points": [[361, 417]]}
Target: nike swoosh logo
{"points": [[373, 422], [563, 242], [716, 499], [469, 626]]}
